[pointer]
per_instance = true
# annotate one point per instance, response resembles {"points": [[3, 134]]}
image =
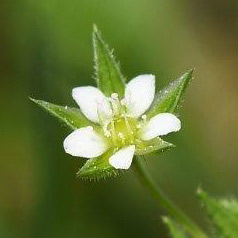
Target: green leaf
{"points": [[223, 213], [98, 168], [169, 98], [108, 75], [152, 146], [72, 117], [175, 229]]}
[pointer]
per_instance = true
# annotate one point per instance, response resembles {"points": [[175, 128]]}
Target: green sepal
{"points": [[223, 214], [98, 168], [107, 71], [176, 231], [152, 146], [72, 117], [169, 98]]}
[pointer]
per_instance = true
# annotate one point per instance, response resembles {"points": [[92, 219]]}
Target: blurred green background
{"points": [[46, 50]]}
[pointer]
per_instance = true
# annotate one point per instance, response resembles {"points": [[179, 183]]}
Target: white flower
{"points": [[123, 122]]}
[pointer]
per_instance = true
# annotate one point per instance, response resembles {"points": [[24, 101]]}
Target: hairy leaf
{"points": [[72, 117], [169, 98], [175, 229], [108, 75], [223, 213]]}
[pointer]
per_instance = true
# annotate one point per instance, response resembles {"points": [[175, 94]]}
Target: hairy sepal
{"points": [[98, 168], [70, 116], [107, 71], [155, 145], [169, 98]]}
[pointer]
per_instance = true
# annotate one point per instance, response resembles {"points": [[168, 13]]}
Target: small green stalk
{"points": [[165, 202]]}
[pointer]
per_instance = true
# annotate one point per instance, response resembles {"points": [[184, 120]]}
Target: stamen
{"points": [[144, 117], [120, 135], [128, 126], [113, 131], [114, 96], [123, 106], [107, 133]]}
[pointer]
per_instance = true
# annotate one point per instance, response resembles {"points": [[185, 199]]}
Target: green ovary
{"points": [[123, 131]]}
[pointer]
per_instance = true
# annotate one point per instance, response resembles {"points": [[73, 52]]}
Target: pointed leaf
{"points": [[175, 229], [72, 117], [108, 74], [169, 98], [98, 168], [152, 146], [223, 213]]}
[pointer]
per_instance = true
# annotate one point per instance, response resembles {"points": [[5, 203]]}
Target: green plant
{"points": [[222, 213], [117, 122]]}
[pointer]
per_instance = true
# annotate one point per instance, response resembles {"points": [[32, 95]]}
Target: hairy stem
{"points": [[164, 202]]}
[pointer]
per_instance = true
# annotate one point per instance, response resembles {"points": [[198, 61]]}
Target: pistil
{"points": [[121, 128]]}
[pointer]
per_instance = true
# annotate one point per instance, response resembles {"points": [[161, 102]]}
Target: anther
{"points": [[114, 96], [144, 117], [107, 134], [120, 135]]}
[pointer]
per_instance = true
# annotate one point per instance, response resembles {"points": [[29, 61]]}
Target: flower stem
{"points": [[165, 202]]}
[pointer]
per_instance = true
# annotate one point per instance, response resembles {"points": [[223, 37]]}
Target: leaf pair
{"points": [[110, 80], [223, 214]]}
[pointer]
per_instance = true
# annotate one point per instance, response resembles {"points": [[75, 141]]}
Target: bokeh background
{"points": [[46, 50]]}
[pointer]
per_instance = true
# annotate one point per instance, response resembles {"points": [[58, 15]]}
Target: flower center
{"points": [[121, 130]]}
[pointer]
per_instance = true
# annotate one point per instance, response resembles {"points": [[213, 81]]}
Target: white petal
{"points": [[160, 125], [90, 99], [139, 94], [85, 142], [122, 159]]}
